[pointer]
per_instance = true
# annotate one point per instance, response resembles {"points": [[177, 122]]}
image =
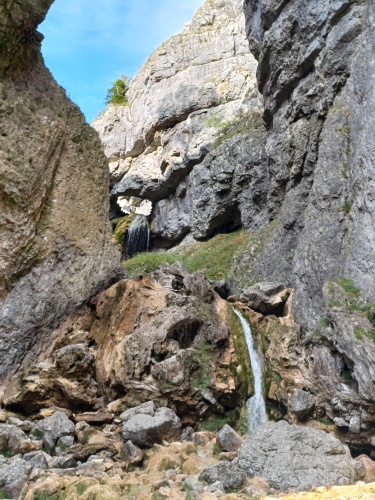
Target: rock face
{"points": [[162, 338], [316, 75], [288, 456], [180, 141], [55, 249]]}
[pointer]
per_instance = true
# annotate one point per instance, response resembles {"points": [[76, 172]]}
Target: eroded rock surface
{"points": [[55, 243], [288, 456], [173, 143]]}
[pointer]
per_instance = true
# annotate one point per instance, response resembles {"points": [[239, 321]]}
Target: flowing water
{"points": [[138, 236], [256, 408]]}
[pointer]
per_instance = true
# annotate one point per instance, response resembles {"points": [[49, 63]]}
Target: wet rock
{"points": [[146, 430], [131, 453], [302, 403], [229, 475], [310, 457], [228, 439]]}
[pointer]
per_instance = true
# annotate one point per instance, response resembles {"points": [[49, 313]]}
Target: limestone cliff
{"points": [[55, 249], [315, 72], [195, 93]]}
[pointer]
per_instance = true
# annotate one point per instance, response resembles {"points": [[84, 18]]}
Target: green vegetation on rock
{"points": [[215, 256], [117, 92]]}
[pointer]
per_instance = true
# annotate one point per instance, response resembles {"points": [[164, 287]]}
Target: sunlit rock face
{"points": [[316, 75], [197, 91], [55, 248]]}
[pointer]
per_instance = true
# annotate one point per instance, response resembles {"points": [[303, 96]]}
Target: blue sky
{"points": [[88, 44]]}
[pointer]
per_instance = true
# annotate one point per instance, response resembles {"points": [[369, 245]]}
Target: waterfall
{"points": [[137, 238], [256, 408]]}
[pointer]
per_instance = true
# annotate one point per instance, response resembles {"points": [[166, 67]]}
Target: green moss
{"points": [[80, 487], [121, 227], [226, 129], [3, 495], [202, 378], [215, 256], [359, 332]]}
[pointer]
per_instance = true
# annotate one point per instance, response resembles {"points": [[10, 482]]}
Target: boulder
{"points": [[131, 453], [67, 462], [369, 468], [147, 408], [14, 477], [288, 456], [146, 430], [302, 403], [228, 439], [53, 428], [265, 297], [38, 459], [13, 440], [228, 474]]}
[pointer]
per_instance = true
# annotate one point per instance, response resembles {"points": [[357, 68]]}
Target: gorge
{"points": [[127, 358]]}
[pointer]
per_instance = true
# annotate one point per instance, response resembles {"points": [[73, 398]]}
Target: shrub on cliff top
{"points": [[117, 93]]}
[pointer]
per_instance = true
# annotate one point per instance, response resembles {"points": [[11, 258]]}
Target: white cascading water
{"points": [[256, 408]]}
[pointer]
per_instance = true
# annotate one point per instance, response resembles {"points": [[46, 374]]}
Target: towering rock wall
{"points": [[193, 95], [55, 248], [315, 72]]}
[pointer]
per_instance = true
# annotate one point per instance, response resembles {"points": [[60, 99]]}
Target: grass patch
{"points": [[215, 256], [3, 495], [81, 488], [347, 284]]}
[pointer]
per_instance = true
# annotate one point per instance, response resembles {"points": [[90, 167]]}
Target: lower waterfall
{"points": [[256, 408], [137, 238]]}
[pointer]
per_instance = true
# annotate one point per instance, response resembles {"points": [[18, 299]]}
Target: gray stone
{"points": [[14, 477], [131, 453], [192, 485], [13, 440], [228, 439], [302, 403], [187, 434], [292, 457], [265, 297], [146, 430], [228, 474], [56, 426], [66, 462], [38, 459], [147, 408], [65, 442], [217, 486]]}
